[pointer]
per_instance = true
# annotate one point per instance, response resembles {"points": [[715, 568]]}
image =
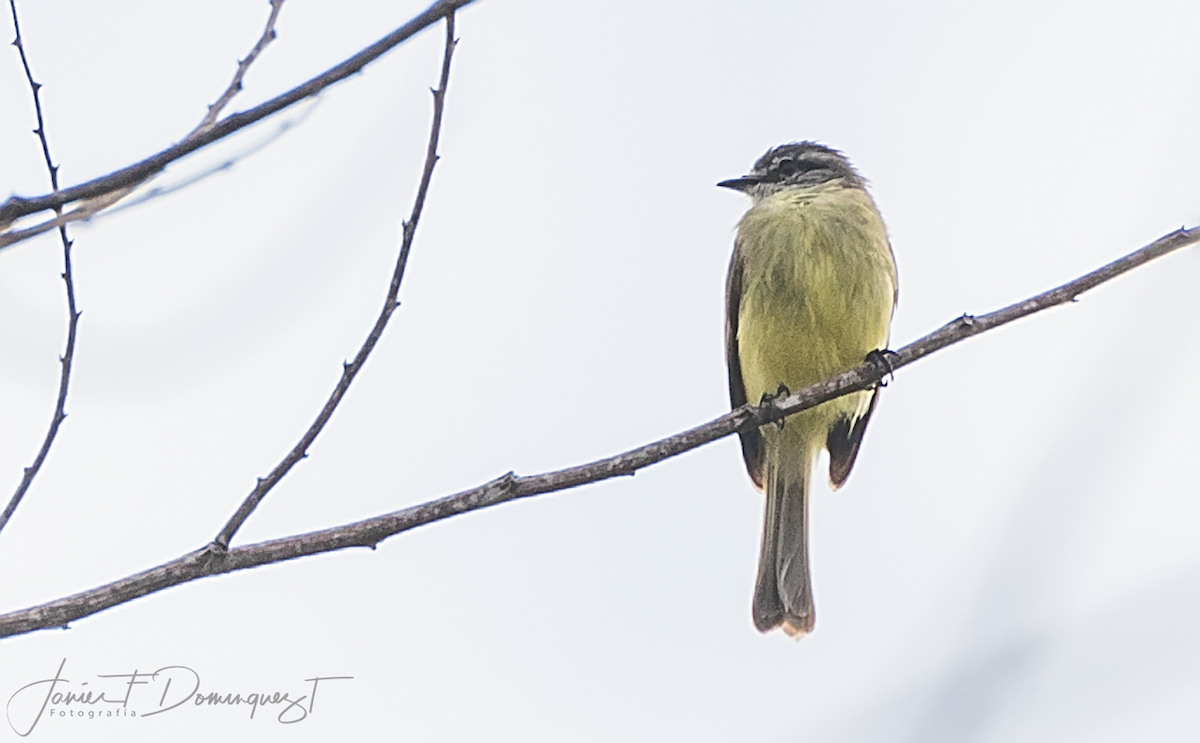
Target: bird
{"points": [[810, 293]]}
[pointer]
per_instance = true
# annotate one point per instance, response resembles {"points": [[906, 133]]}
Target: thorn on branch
{"points": [[507, 481]]}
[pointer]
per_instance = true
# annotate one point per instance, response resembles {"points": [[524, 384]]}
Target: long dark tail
{"points": [[783, 595]]}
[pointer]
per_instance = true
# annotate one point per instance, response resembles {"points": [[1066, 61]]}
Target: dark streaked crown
{"points": [[797, 164]]}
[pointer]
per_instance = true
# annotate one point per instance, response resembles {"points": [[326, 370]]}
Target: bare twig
{"points": [[86, 211], [368, 533], [18, 206], [89, 208], [235, 86], [68, 357], [351, 369]]}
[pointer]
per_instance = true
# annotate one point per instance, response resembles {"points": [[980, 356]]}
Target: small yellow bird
{"points": [[810, 294]]}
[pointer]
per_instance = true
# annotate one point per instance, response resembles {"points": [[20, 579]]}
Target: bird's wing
{"points": [[752, 447], [843, 441]]}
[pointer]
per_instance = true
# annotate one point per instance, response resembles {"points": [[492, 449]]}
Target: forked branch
{"points": [[68, 358], [19, 206], [370, 532], [350, 369]]}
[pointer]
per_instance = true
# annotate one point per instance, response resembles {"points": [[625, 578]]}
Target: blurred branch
{"points": [[187, 181], [91, 207], [18, 206], [99, 207], [351, 369], [68, 357], [368, 533]]}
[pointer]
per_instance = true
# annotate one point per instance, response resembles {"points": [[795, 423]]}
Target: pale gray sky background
{"points": [[1014, 558]]}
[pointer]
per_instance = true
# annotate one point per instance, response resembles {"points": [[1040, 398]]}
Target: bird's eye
{"points": [[787, 167]]}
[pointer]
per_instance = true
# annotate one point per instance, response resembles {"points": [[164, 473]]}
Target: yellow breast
{"points": [[818, 288]]}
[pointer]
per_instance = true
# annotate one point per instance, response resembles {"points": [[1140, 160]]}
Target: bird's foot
{"points": [[768, 398], [882, 359]]}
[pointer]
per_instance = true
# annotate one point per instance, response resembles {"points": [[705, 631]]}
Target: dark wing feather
{"points": [[752, 448], [843, 442]]}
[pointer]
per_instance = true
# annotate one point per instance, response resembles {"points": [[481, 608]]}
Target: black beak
{"points": [[743, 184]]}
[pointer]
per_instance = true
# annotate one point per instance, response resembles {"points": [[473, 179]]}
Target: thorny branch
{"points": [[105, 187], [370, 532], [92, 207], [68, 357], [351, 369], [235, 86], [88, 210]]}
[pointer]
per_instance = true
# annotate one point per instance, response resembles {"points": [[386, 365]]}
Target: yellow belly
{"points": [[818, 291]]}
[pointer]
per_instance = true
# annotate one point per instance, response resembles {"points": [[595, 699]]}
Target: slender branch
{"points": [[370, 532], [18, 206], [235, 85], [351, 369], [89, 208], [68, 357]]}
